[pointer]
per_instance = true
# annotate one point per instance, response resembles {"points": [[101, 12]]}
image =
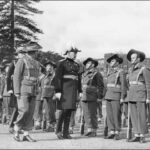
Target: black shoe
{"points": [[93, 134], [28, 138], [49, 129], [17, 138], [142, 140], [87, 134], [67, 137], [117, 137], [111, 136], [37, 127], [135, 139], [59, 136]]}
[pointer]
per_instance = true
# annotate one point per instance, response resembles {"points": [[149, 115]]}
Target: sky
{"points": [[94, 27]]}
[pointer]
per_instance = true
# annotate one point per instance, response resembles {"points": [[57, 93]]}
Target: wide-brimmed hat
{"points": [[92, 60], [51, 63], [20, 50], [140, 54], [32, 47], [72, 50], [115, 56]]}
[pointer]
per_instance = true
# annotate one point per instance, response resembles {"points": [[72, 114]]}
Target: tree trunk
{"points": [[12, 49]]}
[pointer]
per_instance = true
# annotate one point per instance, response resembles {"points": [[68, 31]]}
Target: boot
{"points": [[66, 128], [71, 130], [89, 131], [93, 133], [43, 125], [49, 128]]}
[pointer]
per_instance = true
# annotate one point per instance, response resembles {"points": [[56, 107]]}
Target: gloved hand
{"points": [[58, 95], [10, 92], [121, 101], [18, 96], [147, 101]]}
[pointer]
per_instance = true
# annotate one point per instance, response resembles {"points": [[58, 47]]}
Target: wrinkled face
{"points": [[20, 55], [72, 55], [89, 65], [113, 63], [49, 68], [134, 58]]}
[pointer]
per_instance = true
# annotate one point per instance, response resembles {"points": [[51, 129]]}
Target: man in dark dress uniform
{"points": [[115, 94], [67, 88], [139, 94]]}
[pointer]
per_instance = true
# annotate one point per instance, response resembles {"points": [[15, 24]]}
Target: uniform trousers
{"points": [[148, 113], [14, 113], [72, 119], [1, 109], [113, 110], [7, 109], [26, 105], [63, 120], [138, 117], [49, 107], [99, 109], [90, 114], [38, 111]]}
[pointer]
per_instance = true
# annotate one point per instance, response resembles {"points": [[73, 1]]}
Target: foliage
{"points": [[17, 27]]}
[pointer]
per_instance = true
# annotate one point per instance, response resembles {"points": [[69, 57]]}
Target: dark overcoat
{"points": [[68, 87]]}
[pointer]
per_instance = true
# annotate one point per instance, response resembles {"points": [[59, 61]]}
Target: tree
{"points": [[17, 28], [43, 57]]}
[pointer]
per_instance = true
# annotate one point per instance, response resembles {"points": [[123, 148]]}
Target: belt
{"points": [[70, 77], [136, 83], [48, 86], [86, 86], [30, 78], [113, 85]]}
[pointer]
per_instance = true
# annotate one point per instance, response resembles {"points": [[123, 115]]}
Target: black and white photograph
{"points": [[74, 74]]}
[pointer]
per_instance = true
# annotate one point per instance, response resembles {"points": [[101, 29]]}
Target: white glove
{"points": [[1, 97], [18, 96], [121, 101], [147, 101], [80, 95], [10, 92], [58, 95]]}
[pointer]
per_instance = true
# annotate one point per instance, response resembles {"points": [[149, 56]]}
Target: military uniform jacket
{"points": [[26, 76], [5, 93], [68, 83], [9, 79], [116, 85], [2, 84], [47, 86], [92, 85], [139, 84], [38, 97]]}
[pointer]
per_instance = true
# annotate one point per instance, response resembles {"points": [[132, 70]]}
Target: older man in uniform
{"points": [[139, 94], [18, 54], [25, 83], [67, 88], [115, 94]]}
